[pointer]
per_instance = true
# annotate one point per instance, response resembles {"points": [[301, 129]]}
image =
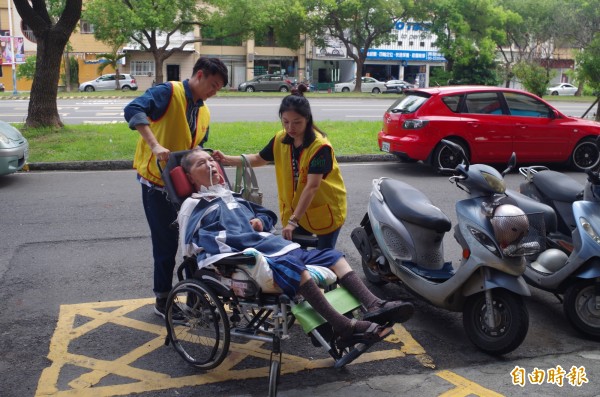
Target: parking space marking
{"points": [[464, 387], [72, 373]]}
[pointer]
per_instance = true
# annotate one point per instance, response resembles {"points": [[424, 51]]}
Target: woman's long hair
{"points": [[298, 103]]}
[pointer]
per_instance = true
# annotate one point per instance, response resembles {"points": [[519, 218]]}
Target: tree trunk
{"points": [[158, 66], [117, 74], [43, 110], [579, 89], [359, 68], [597, 118], [67, 72]]}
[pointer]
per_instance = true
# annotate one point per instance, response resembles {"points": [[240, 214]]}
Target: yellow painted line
{"points": [[90, 380], [464, 387]]}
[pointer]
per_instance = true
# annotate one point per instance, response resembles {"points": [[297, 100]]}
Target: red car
{"points": [[489, 123]]}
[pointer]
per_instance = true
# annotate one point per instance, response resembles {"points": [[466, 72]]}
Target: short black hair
{"points": [[210, 67]]}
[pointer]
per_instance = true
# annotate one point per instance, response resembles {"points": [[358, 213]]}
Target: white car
{"points": [[563, 89], [369, 84], [108, 82]]}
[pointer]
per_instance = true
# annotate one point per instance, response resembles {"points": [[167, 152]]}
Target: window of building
{"points": [[142, 68], [28, 33], [422, 44], [400, 43], [411, 43], [85, 27]]}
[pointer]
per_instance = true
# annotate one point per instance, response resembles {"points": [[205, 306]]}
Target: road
{"points": [[88, 111], [75, 283]]}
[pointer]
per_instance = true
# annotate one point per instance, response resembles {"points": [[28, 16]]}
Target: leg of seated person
{"points": [[378, 310], [341, 324]]}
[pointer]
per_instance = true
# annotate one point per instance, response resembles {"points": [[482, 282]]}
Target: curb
{"points": [[128, 165]]}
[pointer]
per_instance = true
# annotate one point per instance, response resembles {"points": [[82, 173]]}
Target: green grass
{"points": [[117, 141]]}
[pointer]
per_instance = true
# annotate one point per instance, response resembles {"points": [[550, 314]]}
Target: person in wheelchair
{"points": [[221, 224]]}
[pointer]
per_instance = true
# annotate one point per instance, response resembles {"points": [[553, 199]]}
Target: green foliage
{"points": [[74, 73], [439, 77], [478, 70], [534, 78], [589, 64], [27, 70]]}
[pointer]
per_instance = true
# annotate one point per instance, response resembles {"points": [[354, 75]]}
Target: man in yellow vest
{"points": [[169, 117]]}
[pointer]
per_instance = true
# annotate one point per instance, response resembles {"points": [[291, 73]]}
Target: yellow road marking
{"points": [[89, 380], [464, 387]]}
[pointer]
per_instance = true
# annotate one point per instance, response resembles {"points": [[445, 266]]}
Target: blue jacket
{"points": [[220, 228]]}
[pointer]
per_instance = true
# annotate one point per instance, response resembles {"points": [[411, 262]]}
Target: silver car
{"points": [[107, 82], [14, 149], [267, 82], [368, 84]]}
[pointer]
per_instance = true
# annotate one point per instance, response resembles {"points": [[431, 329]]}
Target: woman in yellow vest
{"points": [[312, 194]]}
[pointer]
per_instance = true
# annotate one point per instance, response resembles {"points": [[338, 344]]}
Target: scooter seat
{"points": [[413, 206], [558, 186]]}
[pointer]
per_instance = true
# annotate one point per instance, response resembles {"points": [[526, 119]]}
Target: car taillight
{"points": [[132, 81], [414, 124]]}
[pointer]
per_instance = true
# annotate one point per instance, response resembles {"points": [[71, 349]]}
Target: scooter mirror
{"points": [[456, 149], [512, 162]]}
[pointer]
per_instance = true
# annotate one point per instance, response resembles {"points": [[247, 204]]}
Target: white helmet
{"points": [[510, 224]]}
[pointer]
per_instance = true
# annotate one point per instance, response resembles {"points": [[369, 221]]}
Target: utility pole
{"points": [[12, 46]]}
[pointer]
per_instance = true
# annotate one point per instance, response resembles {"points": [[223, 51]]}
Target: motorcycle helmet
{"points": [[510, 224]]}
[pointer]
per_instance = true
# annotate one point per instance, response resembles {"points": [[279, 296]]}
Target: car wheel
{"points": [[443, 157], [554, 92], [283, 88], [250, 89], [345, 89], [89, 88], [376, 90], [585, 154], [125, 88]]}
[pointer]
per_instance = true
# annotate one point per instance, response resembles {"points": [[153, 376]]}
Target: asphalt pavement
{"points": [[86, 259]]}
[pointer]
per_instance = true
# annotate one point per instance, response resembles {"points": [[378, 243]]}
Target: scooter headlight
{"points": [[485, 240], [497, 184], [589, 229]]}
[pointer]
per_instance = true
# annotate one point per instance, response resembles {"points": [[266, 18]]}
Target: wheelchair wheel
{"points": [[202, 338], [274, 377]]}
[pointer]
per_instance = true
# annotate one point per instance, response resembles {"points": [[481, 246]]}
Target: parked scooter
{"points": [[558, 191], [401, 240], [576, 276]]}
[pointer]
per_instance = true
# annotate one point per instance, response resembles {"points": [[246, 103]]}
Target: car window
{"points": [[452, 101], [483, 103], [526, 106], [408, 104], [276, 78]]}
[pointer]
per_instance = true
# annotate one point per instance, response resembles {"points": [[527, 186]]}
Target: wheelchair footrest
{"points": [[342, 300]]}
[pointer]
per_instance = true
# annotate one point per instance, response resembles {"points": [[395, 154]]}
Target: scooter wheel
{"points": [[581, 309], [371, 275], [509, 326]]}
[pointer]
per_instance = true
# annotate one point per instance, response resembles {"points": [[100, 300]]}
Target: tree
{"points": [[532, 33], [589, 68], [467, 32], [112, 59], [534, 77], [153, 25], [52, 25], [358, 24]]}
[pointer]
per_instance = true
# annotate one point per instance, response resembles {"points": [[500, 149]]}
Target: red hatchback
{"points": [[489, 123]]}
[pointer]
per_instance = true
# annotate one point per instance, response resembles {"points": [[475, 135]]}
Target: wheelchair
{"points": [[223, 301]]}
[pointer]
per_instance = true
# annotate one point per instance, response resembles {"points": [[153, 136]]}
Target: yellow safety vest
{"points": [[171, 131], [327, 211]]}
